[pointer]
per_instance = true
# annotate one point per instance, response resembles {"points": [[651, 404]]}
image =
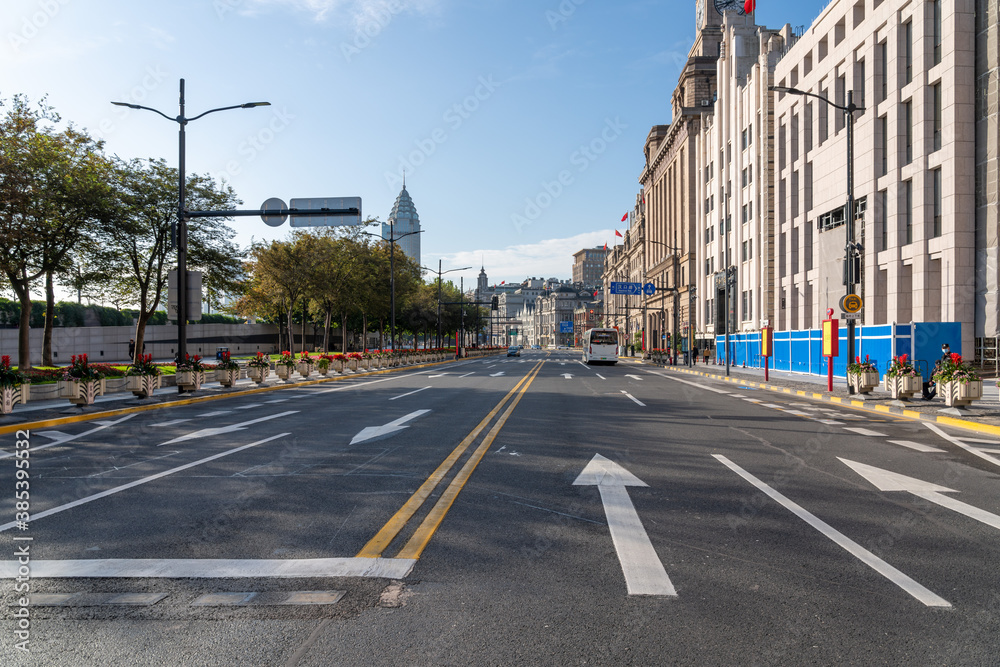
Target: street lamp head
{"points": [[786, 89], [126, 104], [250, 105]]}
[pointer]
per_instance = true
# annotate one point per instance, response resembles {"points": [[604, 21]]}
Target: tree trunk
{"points": [[343, 332], [364, 332], [326, 330], [291, 330], [23, 333], [50, 318], [303, 324], [140, 333]]}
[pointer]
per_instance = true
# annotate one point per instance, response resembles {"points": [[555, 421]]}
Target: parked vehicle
{"points": [[513, 351]]}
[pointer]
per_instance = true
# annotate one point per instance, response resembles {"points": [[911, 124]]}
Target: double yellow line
{"points": [[418, 541]]}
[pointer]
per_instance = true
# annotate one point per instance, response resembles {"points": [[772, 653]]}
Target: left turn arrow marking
{"points": [[372, 432]]}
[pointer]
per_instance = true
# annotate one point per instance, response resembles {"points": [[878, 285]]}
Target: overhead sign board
{"points": [[565, 327], [343, 211], [634, 289]]}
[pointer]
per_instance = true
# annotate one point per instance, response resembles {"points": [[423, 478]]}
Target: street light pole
{"points": [[181, 229], [851, 249]]}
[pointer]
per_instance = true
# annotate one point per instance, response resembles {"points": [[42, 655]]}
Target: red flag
{"points": [[595, 294], [502, 282], [625, 217], [605, 247], [749, 6], [618, 233]]}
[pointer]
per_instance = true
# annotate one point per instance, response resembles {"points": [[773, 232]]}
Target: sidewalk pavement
{"points": [[982, 416]]}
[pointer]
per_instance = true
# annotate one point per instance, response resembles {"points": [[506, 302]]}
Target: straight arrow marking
{"points": [[634, 377], [921, 593], [496, 375], [644, 573], [568, 376], [370, 432], [885, 480], [205, 432]]}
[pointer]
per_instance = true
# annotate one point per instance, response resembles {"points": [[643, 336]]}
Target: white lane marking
{"points": [[467, 374], [248, 406], [644, 573], [972, 450], [568, 376], [637, 401], [69, 438], [174, 422], [365, 384], [924, 595], [278, 400], [864, 431], [991, 451], [214, 414], [986, 442], [772, 405], [635, 377], [886, 480], [582, 364], [206, 568], [693, 384], [370, 432], [830, 422], [496, 375], [35, 516], [753, 400], [741, 396], [411, 393], [915, 445], [601, 376], [798, 413], [53, 435], [439, 375], [206, 432]]}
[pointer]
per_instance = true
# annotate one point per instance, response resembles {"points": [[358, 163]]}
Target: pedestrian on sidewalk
{"points": [[694, 356], [131, 349], [706, 356]]}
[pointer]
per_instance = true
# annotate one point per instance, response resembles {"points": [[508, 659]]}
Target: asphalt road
{"points": [[444, 517]]}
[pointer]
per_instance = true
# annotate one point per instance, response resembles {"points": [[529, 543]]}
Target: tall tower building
{"points": [[404, 220]]}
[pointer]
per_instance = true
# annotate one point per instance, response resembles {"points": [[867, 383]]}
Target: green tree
{"points": [[133, 251], [54, 188]]}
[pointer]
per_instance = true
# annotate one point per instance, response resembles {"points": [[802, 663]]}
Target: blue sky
{"points": [[519, 123]]}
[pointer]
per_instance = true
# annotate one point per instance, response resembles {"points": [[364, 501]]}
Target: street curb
{"points": [[987, 429], [73, 419]]}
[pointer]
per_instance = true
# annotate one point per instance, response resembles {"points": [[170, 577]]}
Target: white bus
{"points": [[600, 345]]}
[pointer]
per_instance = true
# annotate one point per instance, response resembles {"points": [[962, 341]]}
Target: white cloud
{"points": [[551, 258]]}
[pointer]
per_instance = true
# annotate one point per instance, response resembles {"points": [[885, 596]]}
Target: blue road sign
{"points": [[649, 289], [626, 288], [565, 327]]}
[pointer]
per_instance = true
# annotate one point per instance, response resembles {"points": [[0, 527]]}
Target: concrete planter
{"points": [[305, 370], [284, 372], [258, 374], [352, 365], [142, 386], [323, 370], [190, 380], [863, 383], [903, 387], [81, 392], [961, 394], [337, 365], [11, 396], [227, 377]]}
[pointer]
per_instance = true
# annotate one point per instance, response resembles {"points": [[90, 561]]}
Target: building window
{"points": [[907, 52], [795, 137], [824, 118], [750, 173], [907, 210], [781, 146], [743, 140], [936, 181], [883, 69], [882, 216], [883, 149], [744, 178], [745, 218], [936, 31], [907, 132], [936, 112], [859, 85], [750, 135]]}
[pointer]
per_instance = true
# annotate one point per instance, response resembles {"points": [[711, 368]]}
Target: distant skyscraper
{"points": [[402, 220]]}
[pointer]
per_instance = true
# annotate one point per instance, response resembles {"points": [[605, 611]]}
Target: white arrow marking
{"points": [[921, 593], [885, 480], [206, 432], [370, 432], [568, 376], [644, 573], [635, 377], [63, 438], [439, 375], [496, 375], [633, 398]]}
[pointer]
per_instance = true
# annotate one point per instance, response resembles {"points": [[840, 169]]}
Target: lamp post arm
{"points": [[247, 105]]}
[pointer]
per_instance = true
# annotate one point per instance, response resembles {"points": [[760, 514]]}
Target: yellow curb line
{"points": [[987, 429], [59, 421]]}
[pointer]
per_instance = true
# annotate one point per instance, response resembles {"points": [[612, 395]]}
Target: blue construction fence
{"points": [[801, 351]]}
